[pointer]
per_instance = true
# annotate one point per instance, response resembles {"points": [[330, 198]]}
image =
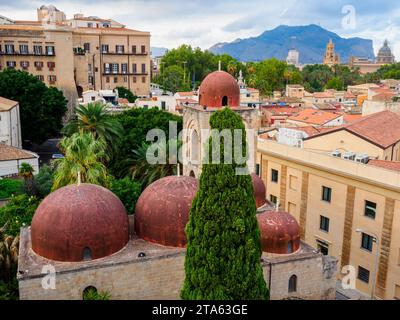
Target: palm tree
{"points": [[26, 172], [8, 255], [93, 118], [83, 161]]}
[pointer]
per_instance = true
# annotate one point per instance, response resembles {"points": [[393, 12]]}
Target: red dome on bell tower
{"points": [[219, 89]]}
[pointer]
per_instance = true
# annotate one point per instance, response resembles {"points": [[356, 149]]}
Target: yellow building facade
{"points": [[341, 206]]}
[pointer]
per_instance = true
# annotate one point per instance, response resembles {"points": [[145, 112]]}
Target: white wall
{"points": [[10, 128], [11, 167]]}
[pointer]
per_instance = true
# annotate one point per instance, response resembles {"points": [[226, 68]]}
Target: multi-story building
{"points": [[76, 55], [10, 124], [347, 209]]}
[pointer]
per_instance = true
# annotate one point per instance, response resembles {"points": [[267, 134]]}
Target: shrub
{"points": [[44, 181], [128, 191], [92, 294], [8, 187]]}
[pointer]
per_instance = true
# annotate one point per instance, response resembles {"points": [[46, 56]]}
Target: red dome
{"points": [[219, 89], [77, 221], [280, 232], [162, 210], [259, 190]]}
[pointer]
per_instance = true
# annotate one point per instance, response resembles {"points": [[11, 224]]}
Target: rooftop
{"points": [[6, 104], [317, 117], [391, 165], [12, 153]]}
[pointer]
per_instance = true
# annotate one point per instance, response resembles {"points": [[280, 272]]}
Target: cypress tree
{"points": [[223, 252]]}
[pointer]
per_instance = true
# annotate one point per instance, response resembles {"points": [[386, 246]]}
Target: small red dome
{"points": [[219, 89], [280, 232], [79, 222], [259, 190], [162, 210]]}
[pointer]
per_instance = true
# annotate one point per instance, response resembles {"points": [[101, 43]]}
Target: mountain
{"points": [[158, 51], [309, 40]]}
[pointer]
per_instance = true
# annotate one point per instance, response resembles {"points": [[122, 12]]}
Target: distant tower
{"points": [[50, 14], [331, 58], [293, 54], [385, 55]]}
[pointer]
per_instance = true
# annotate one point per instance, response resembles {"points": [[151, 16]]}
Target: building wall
{"points": [[370, 107], [11, 167], [351, 184], [10, 128]]}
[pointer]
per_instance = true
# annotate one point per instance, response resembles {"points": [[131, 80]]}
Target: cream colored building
{"points": [[294, 91], [10, 124], [332, 198], [84, 53]]}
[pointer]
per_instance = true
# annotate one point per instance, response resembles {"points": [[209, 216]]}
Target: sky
{"points": [[204, 23]]}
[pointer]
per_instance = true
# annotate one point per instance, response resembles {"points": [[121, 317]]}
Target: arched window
{"points": [[192, 174], [293, 283], [225, 101], [87, 254], [89, 292]]}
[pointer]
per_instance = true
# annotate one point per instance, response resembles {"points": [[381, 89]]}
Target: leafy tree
{"points": [[128, 191], [9, 187], [335, 83], [172, 79], [44, 181], [269, 76], [84, 157], [94, 119], [223, 251], [126, 94], [26, 172], [8, 255], [41, 108]]}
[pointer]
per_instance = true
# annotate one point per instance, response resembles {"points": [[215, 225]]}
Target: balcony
{"points": [[109, 73], [125, 53], [17, 53], [79, 51]]}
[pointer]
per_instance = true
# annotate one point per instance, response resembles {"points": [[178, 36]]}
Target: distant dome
{"points": [[79, 222], [162, 210], [219, 89], [259, 190], [280, 232]]}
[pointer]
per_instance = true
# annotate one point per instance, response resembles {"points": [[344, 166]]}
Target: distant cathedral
{"points": [[331, 58], [385, 55]]}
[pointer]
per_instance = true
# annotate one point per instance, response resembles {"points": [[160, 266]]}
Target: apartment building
{"points": [[341, 206], [79, 54]]}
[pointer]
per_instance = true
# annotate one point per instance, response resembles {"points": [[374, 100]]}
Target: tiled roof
{"points": [[185, 94], [381, 128], [13, 153], [391, 165], [384, 96], [281, 110], [323, 95], [348, 118], [6, 104], [313, 116], [312, 131]]}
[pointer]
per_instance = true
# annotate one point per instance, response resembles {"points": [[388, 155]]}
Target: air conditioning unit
{"points": [[362, 158], [349, 156], [336, 154]]}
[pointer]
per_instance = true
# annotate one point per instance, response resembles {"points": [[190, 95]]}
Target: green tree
{"points": [[41, 108], [335, 83], [94, 119], [172, 79], [269, 76], [223, 251], [316, 77], [84, 158], [128, 191], [44, 181], [126, 94], [9, 187], [26, 172]]}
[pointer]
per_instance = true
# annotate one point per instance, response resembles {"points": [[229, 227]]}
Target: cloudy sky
{"points": [[206, 22]]}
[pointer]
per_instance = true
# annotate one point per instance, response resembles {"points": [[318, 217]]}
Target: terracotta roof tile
{"points": [[13, 153], [6, 104], [391, 165], [317, 117]]}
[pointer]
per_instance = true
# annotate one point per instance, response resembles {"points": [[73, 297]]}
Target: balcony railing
{"points": [[17, 53], [109, 73], [125, 53]]}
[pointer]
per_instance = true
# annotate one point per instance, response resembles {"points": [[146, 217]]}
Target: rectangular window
{"points": [[143, 79], [24, 64], [23, 49], [86, 47], [52, 79], [134, 49], [134, 68], [143, 49], [115, 68], [104, 48], [90, 80], [143, 68], [326, 194], [108, 79], [90, 25], [90, 68], [119, 49], [274, 175], [273, 199], [115, 79], [125, 79], [134, 80], [38, 65], [50, 50], [324, 224], [292, 208], [37, 50], [293, 182], [323, 247], [107, 68], [370, 209], [9, 48], [11, 64], [51, 65], [363, 274], [163, 105], [367, 242], [124, 68], [40, 77]]}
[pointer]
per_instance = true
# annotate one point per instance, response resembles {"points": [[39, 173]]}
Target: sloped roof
{"points": [[7, 104], [12, 153], [391, 165], [312, 116]]}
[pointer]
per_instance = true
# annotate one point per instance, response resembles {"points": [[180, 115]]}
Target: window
{"points": [[90, 80], [370, 209], [88, 291], [23, 49], [274, 175], [115, 67], [293, 182], [143, 79], [107, 68], [104, 48], [86, 47], [51, 65], [115, 79], [9, 48], [24, 64], [292, 284], [52, 79], [367, 241], [108, 79], [40, 77], [119, 49], [163, 105], [125, 79], [324, 224], [11, 64], [134, 68], [90, 68], [273, 199], [134, 80], [50, 50], [224, 101], [363, 274], [323, 247], [143, 68], [37, 50], [90, 25], [38, 65], [326, 194], [396, 292], [124, 68], [143, 49]]}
